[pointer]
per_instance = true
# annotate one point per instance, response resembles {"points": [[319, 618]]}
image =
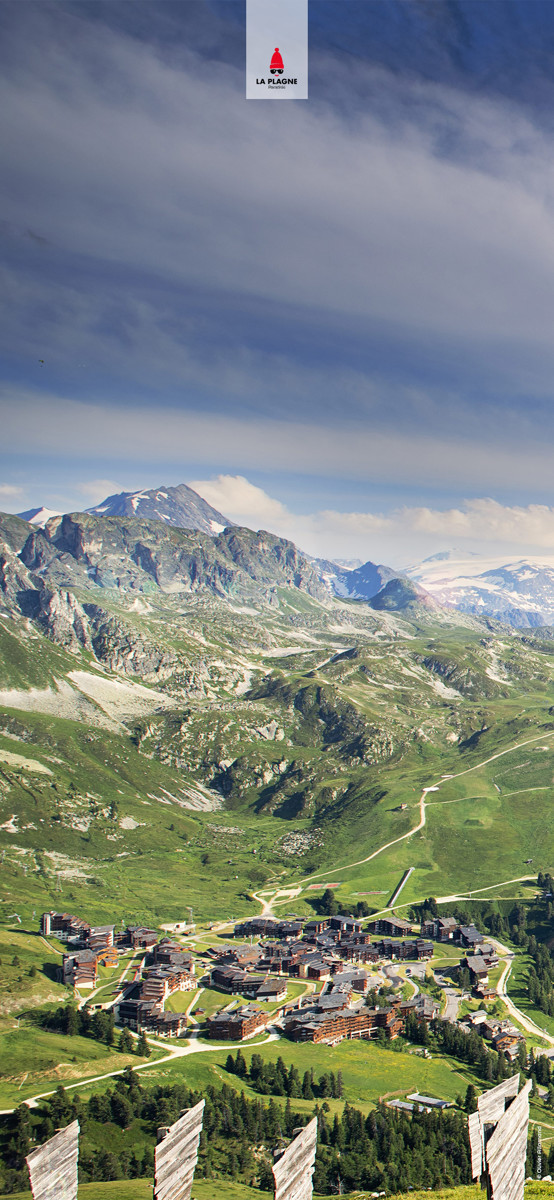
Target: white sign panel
{"points": [[276, 49]]}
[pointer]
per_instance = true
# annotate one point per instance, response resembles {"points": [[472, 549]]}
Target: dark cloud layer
{"points": [[378, 260]]}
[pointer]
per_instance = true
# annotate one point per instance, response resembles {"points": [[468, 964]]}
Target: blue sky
{"points": [[334, 317]]}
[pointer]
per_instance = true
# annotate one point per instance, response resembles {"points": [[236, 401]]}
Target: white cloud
{"points": [[36, 423], [96, 490], [242, 501], [403, 535], [161, 167], [10, 489]]}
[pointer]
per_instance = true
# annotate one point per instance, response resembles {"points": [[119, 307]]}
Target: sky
{"points": [[332, 317]]}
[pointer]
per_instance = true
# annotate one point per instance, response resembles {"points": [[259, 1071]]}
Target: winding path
{"points": [[195, 1048], [394, 842], [172, 1052], [527, 1023], [422, 818]]}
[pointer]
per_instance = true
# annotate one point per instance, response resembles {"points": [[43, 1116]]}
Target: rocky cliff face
{"points": [[61, 576], [81, 550]]}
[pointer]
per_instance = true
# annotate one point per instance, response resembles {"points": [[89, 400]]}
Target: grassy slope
{"points": [[143, 872], [140, 873], [20, 953], [34, 1060], [368, 1070], [141, 1189]]}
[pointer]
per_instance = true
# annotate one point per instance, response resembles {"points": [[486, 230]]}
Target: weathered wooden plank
{"points": [[293, 1171], [492, 1104], [506, 1150], [53, 1168], [476, 1143], [177, 1155]]}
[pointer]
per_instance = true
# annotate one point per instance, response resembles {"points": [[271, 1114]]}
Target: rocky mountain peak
{"points": [[179, 506]]}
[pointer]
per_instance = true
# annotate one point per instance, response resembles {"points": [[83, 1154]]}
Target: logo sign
{"points": [[277, 49]]}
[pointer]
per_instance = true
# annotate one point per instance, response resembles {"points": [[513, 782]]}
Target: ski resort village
{"points": [[321, 980]]}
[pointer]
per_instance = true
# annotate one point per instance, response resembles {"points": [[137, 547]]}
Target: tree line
{"points": [[100, 1025], [275, 1079], [384, 1150]]}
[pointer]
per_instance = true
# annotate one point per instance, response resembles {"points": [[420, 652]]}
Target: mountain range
{"points": [[519, 592], [157, 682]]}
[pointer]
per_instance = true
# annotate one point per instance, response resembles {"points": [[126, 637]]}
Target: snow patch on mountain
{"points": [[517, 591], [38, 516]]}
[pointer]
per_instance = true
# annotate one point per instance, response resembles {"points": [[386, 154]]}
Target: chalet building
{"points": [[237, 1025], [508, 1043], [488, 953], [161, 982], [328, 941], [416, 948], [311, 928], [345, 925], [350, 950], [257, 927], [64, 926], [254, 987], [228, 979], [280, 957], [477, 1019], [238, 956], [170, 1024], [358, 981], [103, 934], [268, 927], [469, 937], [441, 929], [168, 953], [483, 991], [139, 937], [390, 927], [134, 1014], [335, 1000], [312, 966], [426, 1009], [336, 1027], [79, 969], [143, 1016], [289, 930], [477, 967], [108, 957], [272, 991]]}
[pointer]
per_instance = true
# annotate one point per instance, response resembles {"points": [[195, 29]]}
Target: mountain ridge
{"points": [[143, 665]]}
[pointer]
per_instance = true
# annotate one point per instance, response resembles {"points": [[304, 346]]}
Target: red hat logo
{"points": [[276, 66]]}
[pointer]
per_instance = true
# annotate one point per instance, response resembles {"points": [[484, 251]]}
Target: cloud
{"points": [[403, 535], [248, 287], [97, 489], [51, 425], [10, 489], [428, 217], [486, 520], [241, 500]]}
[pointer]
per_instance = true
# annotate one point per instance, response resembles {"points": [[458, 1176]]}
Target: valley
{"points": [[194, 727]]}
